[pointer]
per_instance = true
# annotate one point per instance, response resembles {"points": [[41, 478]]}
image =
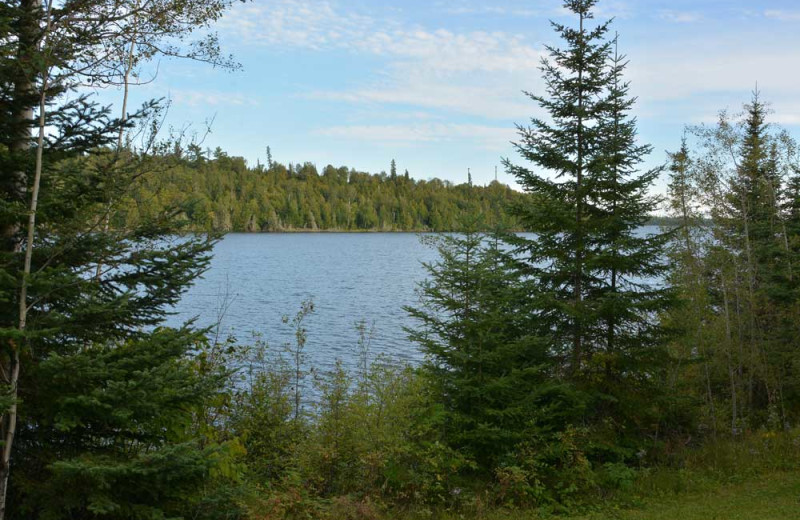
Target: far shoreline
{"points": [[379, 231]]}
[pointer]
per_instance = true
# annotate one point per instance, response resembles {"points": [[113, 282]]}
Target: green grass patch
{"points": [[774, 496]]}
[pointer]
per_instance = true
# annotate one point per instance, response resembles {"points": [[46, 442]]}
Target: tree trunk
{"points": [[25, 86], [577, 347]]}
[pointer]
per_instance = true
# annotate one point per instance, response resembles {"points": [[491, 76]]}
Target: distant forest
{"points": [[221, 193]]}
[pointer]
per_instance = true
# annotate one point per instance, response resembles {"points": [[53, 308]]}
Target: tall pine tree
{"points": [[561, 212], [629, 265]]}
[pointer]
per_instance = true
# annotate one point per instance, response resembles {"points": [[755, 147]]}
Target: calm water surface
{"points": [[258, 278]]}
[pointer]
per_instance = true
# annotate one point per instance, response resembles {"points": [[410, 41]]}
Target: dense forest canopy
{"points": [[222, 193]]}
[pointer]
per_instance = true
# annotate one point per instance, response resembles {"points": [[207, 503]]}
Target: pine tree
{"points": [[628, 264], [561, 212]]}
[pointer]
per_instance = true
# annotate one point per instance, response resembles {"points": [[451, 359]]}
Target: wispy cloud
{"points": [[436, 82], [319, 25], [470, 72], [783, 15], [418, 89], [292, 24], [491, 10], [669, 74], [200, 98], [487, 137], [680, 16]]}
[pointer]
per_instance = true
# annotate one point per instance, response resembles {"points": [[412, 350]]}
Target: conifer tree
{"points": [[561, 211], [629, 262], [481, 359], [98, 402], [589, 266]]}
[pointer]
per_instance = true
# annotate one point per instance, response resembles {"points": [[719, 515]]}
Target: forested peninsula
{"points": [[212, 191], [217, 192]]}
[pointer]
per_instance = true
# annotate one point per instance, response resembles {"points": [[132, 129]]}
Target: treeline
{"points": [[738, 273], [224, 194]]}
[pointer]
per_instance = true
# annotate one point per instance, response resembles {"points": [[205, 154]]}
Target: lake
{"points": [[256, 279]]}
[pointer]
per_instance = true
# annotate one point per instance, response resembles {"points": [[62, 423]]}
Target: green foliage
{"points": [[737, 272], [224, 194], [481, 359], [590, 273], [367, 439], [548, 383], [106, 420]]}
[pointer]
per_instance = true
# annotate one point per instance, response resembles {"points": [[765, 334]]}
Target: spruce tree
{"points": [[101, 420], [561, 212], [629, 264], [481, 360], [593, 274]]}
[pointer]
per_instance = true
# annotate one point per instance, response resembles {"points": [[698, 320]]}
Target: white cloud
{"points": [[318, 25], [482, 73], [491, 10], [680, 16], [420, 90], [673, 73], [487, 137], [474, 72], [305, 24], [199, 98], [783, 15]]}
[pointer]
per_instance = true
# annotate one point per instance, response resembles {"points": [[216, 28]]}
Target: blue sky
{"points": [[437, 85]]}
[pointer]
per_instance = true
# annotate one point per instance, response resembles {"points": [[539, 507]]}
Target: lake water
{"points": [[256, 279]]}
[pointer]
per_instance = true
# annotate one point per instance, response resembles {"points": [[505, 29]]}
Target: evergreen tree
{"points": [[628, 264], [480, 358], [99, 417], [590, 270], [561, 211]]}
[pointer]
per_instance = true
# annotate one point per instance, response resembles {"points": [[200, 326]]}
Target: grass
{"points": [[771, 496], [774, 496]]}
